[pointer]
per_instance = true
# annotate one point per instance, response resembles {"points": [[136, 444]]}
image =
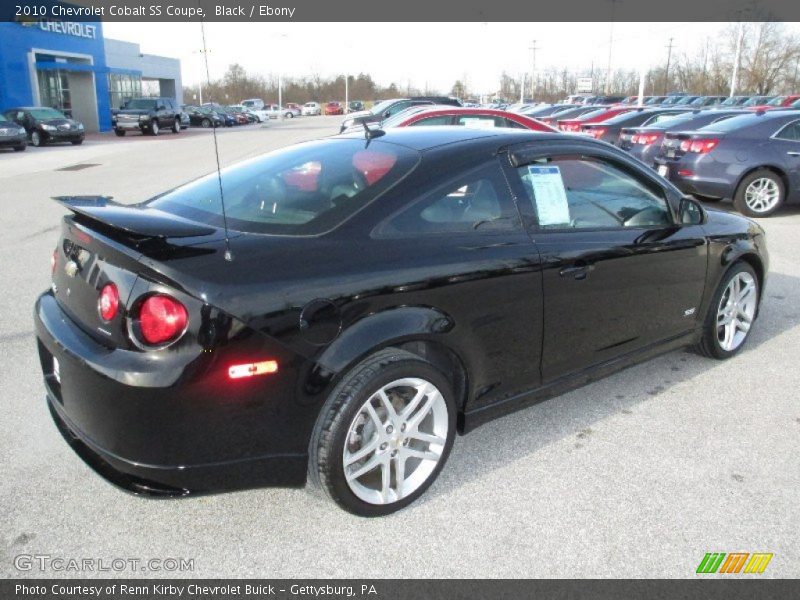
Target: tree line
{"points": [[769, 64]]}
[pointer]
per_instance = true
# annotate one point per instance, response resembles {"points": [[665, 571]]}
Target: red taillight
{"points": [[108, 305], [686, 145], [685, 173], [597, 132], [647, 138], [53, 262], [703, 146], [161, 319], [264, 367]]}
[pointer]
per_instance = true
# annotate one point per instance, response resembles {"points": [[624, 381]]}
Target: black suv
{"points": [[148, 115], [388, 108], [44, 125]]}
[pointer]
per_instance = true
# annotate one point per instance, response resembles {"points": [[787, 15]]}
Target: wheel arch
{"points": [[419, 330], [768, 167]]}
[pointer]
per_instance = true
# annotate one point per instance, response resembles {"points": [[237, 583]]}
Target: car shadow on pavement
{"points": [[577, 414]]}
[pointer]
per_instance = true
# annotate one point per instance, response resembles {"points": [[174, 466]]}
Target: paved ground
{"points": [[638, 475]]}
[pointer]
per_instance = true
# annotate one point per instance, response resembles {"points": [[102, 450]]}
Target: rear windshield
{"points": [[301, 190], [669, 118], [734, 123]]}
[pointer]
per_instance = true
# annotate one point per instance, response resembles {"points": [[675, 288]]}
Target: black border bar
{"points": [[404, 11]]}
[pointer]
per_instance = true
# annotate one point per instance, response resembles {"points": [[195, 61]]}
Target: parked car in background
{"points": [[388, 108], [12, 135], [545, 110], [569, 113], [574, 124], [200, 116], [259, 114], [754, 102], [334, 108], [147, 115], [609, 130], [256, 103], [706, 101], [355, 106], [44, 125], [655, 100], [311, 109], [753, 159], [274, 111], [731, 102], [475, 118], [646, 141], [778, 102], [225, 113], [406, 301]]}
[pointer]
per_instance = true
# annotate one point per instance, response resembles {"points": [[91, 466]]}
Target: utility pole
{"points": [[610, 46], [737, 58], [533, 49], [666, 71], [522, 88]]}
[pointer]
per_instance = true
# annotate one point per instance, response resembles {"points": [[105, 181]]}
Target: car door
{"points": [[619, 274], [461, 248], [787, 143]]}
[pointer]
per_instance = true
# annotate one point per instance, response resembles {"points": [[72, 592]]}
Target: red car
{"points": [[601, 114], [479, 118], [334, 108], [777, 102]]}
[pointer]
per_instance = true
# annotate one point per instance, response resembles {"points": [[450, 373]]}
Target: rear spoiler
{"points": [[135, 221]]}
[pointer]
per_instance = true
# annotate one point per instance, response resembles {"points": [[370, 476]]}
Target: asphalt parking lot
{"points": [[638, 475]]}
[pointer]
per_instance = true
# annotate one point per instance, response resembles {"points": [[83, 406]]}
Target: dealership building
{"points": [[73, 68]]}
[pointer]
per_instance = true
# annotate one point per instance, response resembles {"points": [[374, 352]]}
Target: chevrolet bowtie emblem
{"points": [[71, 268]]}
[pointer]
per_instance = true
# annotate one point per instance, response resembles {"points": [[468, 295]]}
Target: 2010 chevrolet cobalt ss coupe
{"points": [[369, 299]]}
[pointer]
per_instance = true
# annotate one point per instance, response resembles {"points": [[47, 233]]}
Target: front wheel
{"points": [[384, 434], [290, 115], [37, 139], [176, 126], [120, 132], [760, 194], [154, 128], [731, 313], [76, 142]]}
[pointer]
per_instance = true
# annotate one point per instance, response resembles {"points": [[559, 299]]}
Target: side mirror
{"points": [[691, 212], [387, 114]]}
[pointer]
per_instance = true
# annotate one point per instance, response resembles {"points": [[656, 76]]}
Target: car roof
{"points": [[426, 138]]}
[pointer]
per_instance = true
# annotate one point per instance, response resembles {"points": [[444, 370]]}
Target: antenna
{"points": [[228, 254], [370, 134]]}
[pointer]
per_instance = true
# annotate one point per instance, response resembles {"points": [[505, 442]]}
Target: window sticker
{"points": [[478, 123], [552, 207]]}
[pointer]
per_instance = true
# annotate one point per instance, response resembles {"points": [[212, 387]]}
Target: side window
{"points": [[475, 202], [400, 106], [445, 120], [790, 132], [513, 124], [480, 122], [578, 192]]}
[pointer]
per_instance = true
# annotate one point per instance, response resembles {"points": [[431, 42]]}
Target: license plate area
{"points": [[663, 170]]}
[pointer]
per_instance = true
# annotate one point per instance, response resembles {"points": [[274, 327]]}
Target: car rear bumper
{"points": [[154, 436], [697, 182]]}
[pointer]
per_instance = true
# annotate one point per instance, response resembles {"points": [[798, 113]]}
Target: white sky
{"points": [[432, 53]]}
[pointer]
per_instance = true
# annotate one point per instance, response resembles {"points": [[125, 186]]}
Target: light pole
{"points": [[610, 46], [737, 58]]}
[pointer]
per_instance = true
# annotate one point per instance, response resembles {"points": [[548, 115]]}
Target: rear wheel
{"points": [[289, 115], [384, 434], [120, 132], [76, 142], [206, 123], [760, 194], [731, 313]]}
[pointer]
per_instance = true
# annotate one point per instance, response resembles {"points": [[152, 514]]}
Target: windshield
{"points": [[668, 119], [734, 123], [310, 104], [46, 113], [777, 101], [141, 104], [381, 106], [732, 101], [395, 120], [301, 190], [756, 100]]}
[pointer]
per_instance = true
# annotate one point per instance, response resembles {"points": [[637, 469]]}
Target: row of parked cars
{"points": [[38, 125], [744, 148]]}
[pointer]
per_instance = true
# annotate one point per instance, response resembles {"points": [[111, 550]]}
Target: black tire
{"points": [[176, 126], [120, 132], [326, 468], [37, 139], [20, 148], [709, 342], [205, 123], [290, 115], [739, 197], [154, 127], [76, 142]]}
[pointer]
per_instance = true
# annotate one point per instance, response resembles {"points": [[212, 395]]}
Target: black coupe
{"points": [[357, 302]]}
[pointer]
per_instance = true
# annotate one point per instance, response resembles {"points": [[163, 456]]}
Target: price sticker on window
{"points": [[478, 123], [552, 207]]}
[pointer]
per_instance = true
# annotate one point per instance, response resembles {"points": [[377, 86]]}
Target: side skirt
{"points": [[469, 420]]}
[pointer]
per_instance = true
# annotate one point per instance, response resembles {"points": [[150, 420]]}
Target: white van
{"points": [[256, 103]]}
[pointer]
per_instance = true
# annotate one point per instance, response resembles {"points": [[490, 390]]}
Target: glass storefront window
{"points": [[122, 87], [54, 90]]}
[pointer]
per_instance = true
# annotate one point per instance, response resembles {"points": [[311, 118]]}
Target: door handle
{"points": [[793, 153], [578, 271]]}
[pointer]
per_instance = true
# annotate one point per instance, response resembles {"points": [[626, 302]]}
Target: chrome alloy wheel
{"points": [[395, 441], [737, 307], [762, 195]]}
